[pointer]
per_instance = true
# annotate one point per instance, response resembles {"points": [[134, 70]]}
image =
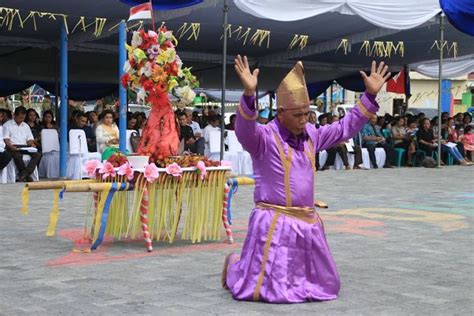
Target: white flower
{"points": [[136, 39], [186, 94], [141, 95], [126, 66], [179, 62]]}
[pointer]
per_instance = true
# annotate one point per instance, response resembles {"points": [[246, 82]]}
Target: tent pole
{"points": [[440, 80], [122, 90], [224, 75], [63, 55]]}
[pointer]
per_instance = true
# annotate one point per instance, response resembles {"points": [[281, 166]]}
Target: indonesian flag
{"points": [[397, 83], [140, 12]]}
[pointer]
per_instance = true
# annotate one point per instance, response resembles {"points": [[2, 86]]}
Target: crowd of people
{"points": [[415, 134]]}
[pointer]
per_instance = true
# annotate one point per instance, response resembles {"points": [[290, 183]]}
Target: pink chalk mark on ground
{"points": [[101, 255], [352, 226]]}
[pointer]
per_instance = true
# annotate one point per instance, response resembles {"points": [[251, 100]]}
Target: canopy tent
{"points": [[452, 67], [29, 55]]}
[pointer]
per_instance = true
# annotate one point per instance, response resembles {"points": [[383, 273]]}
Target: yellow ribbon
{"points": [[54, 215], [24, 200]]}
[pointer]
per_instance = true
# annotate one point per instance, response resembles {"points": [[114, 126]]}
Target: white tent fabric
{"points": [[398, 15], [452, 67]]}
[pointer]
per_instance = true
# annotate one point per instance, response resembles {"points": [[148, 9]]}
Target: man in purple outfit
{"points": [[285, 257]]}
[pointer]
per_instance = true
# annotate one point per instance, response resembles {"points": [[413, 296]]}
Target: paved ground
{"points": [[403, 245]]}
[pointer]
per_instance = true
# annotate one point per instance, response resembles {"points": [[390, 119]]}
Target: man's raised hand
{"points": [[249, 79], [377, 78]]}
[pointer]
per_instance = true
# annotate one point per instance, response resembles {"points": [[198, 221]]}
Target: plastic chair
{"points": [[400, 152], [78, 154], [49, 164]]}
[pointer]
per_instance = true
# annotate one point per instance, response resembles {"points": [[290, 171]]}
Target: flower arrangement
{"points": [[153, 68], [118, 164]]}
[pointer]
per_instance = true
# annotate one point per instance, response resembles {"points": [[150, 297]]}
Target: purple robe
{"points": [[286, 259]]}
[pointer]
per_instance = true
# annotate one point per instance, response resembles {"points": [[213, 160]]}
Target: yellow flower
{"points": [[159, 74], [171, 84]]}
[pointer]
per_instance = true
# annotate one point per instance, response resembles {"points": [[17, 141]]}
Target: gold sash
{"points": [[307, 214]]}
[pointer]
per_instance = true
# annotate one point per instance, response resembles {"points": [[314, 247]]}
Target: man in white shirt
{"points": [[17, 134], [214, 122], [194, 125], [5, 156]]}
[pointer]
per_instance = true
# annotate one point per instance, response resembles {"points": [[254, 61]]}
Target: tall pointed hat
{"points": [[292, 92]]}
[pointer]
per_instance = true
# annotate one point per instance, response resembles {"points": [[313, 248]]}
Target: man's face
{"points": [[294, 120], [132, 122], [215, 123], [20, 118], [183, 120], [93, 117], [312, 118], [189, 117], [81, 121], [373, 120]]}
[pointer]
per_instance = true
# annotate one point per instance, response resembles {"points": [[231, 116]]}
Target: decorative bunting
{"points": [[344, 44], [195, 28], [301, 39], [260, 36]]}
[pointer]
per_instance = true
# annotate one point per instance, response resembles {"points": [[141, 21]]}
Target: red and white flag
{"points": [[140, 12], [397, 83]]}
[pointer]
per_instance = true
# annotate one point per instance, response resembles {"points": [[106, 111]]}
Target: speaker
{"points": [[397, 107]]}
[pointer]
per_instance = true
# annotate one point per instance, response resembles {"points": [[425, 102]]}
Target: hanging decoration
{"points": [[301, 40], [195, 28], [382, 49], [344, 44], [454, 47]]}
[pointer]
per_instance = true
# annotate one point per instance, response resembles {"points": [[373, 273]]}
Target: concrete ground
{"points": [[402, 240]]}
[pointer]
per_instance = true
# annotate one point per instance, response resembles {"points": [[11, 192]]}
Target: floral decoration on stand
{"points": [[153, 68]]}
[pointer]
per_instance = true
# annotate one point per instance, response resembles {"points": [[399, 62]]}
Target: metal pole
{"points": [[64, 101], [122, 90], [440, 80], [224, 75]]}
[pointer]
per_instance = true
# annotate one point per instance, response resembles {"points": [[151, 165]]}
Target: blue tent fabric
{"points": [[76, 91], [9, 87], [316, 88], [353, 83], [84, 91], [460, 14], [164, 4]]}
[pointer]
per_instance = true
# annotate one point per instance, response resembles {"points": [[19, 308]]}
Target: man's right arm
{"points": [[248, 133]]}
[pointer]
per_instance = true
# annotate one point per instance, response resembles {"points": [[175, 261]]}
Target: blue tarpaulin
{"points": [[164, 4], [460, 14], [76, 90]]}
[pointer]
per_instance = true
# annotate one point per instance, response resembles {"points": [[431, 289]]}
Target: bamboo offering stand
{"points": [[124, 208]]}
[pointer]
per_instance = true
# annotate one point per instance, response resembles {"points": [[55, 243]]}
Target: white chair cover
{"points": [[240, 159], [12, 171], [49, 164], [128, 143], [78, 154]]}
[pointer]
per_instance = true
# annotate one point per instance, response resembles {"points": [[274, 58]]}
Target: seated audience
{"points": [[32, 119], [372, 139], [468, 141], [231, 125], [107, 133], [425, 137], [214, 123], [193, 143], [401, 139], [17, 134], [48, 121], [81, 123]]}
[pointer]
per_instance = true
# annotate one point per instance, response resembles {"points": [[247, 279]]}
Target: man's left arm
{"points": [[331, 134]]}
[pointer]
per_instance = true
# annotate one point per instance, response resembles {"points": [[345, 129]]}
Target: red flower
{"points": [[148, 85], [125, 79], [172, 69]]}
